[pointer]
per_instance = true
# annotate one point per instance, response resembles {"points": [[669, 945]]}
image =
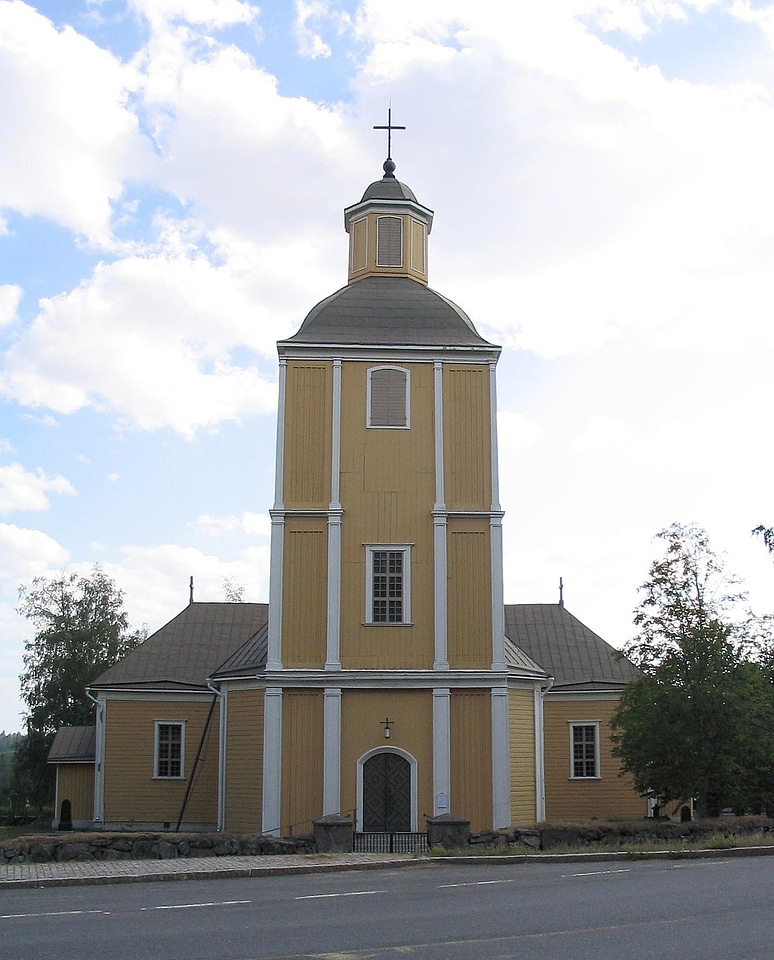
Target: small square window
{"points": [[170, 750], [387, 583], [584, 751]]}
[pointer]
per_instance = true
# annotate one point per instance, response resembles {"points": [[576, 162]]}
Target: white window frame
{"points": [[574, 724], [388, 426], [379, 220], [405, 549], [157, 724]]}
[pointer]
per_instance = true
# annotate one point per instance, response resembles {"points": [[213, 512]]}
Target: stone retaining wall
{"points": [[551, 836], [48, 848]]}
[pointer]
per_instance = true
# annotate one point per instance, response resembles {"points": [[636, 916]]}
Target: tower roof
{"points": [[389, 311]]}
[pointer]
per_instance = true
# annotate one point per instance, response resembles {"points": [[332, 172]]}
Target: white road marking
{"points": [[189, 906], [472, 883], [51, 913], [328, 896], [595, 873]]}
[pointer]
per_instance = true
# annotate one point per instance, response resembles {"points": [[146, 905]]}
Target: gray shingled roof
{"points": [[249, 659], [517, 659], [391, 311], [388, 188], [189, 648], [73, 745], [575, 656]]}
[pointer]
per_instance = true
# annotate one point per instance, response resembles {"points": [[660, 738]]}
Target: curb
{"points": [[207, 872]]}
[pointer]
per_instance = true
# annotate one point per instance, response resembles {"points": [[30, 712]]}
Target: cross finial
{"points": [[389, 128]]}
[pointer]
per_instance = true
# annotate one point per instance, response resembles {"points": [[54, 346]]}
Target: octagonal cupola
{"points": [[388, 231]]}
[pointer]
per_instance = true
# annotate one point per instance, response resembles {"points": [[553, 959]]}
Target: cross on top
{"points": [[389, 128]]}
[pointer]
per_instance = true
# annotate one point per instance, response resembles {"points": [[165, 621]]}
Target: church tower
{"points": [[386, 685]]}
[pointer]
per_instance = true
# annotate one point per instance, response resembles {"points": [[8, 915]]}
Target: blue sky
{"points": [[171, 193]]}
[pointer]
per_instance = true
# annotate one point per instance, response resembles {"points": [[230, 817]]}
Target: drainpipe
{"points": [[99, 760], [540, 768], [221, 755]]}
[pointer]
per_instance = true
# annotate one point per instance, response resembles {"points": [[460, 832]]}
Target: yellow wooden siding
{"points": [[387, 493], [362, 729], [244, 761], [75, 782], [302, 759], [304, 599], [521, 748], [469, 593], [358, 245], [569, 799], [307, 463], [131, 792], [467, 437], [471, 757]]}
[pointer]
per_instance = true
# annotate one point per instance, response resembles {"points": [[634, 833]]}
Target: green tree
{"points": [[81, 628], [683, 727]]}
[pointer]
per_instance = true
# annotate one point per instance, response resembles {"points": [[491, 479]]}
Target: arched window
{"points": [[388, 397]]}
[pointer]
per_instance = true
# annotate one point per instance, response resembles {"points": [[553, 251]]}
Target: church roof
{"points": [[389, 311], [388, 188], [73, 745], [576, 657], [188, 649]]}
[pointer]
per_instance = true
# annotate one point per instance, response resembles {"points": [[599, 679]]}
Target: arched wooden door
{"points": [[386, 794]]}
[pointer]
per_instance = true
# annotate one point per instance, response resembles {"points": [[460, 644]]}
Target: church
{"points": [[386, 679]]}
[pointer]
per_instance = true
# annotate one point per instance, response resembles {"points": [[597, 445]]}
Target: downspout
{"points": [[189, 786], [221, 755], [99, 759], [540, 748]]}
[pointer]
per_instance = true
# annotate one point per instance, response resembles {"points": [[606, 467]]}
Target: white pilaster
{"points": [[540, 772], [272, 759], [332, 750], [274, 653], [333, 655], [496, 535], [440, 563], [441, 751], [99, 763], [501, 781]]}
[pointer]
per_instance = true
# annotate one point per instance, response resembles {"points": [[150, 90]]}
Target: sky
{"points": [[172, 180]]}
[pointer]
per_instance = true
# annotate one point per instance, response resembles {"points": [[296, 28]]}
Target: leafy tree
{"points": [[768, 536], [234, 592], [81, 629], [683, 727]]}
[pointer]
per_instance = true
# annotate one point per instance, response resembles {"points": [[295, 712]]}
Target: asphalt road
{"points": [[708, 909]]}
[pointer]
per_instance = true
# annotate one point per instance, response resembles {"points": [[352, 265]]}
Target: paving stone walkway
{"points": [[189, 868]]}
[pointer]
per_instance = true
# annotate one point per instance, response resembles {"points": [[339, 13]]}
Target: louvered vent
{"points": [[389, 245], [388, 397]]}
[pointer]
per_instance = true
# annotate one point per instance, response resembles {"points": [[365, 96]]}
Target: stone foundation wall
{"points": [[47, 848]]}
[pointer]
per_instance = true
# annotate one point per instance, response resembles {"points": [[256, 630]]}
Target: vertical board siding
{"points": [[307, 465], [471, 757], [521, 747], [568, 799], [418, 247], [469, 594], [244, 761], [467, 440], [387, 493], [302, 765], [362, 729], [305, 578], [75, 782], [359, 247], [131, 793]]}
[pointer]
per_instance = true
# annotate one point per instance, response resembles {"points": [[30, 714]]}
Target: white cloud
{"points": [[10, 296], [148, 339], [28, 553], [248, 523], [22, 490], [68, 137], [215, 14], [311, 44]]}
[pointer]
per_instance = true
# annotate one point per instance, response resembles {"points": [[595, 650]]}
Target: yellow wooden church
{"points": [[386, 677]]}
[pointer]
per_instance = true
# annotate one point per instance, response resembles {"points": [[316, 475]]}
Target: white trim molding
{"points": [[331, 750], [272, 759], [441, 751], [501, 774]]}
